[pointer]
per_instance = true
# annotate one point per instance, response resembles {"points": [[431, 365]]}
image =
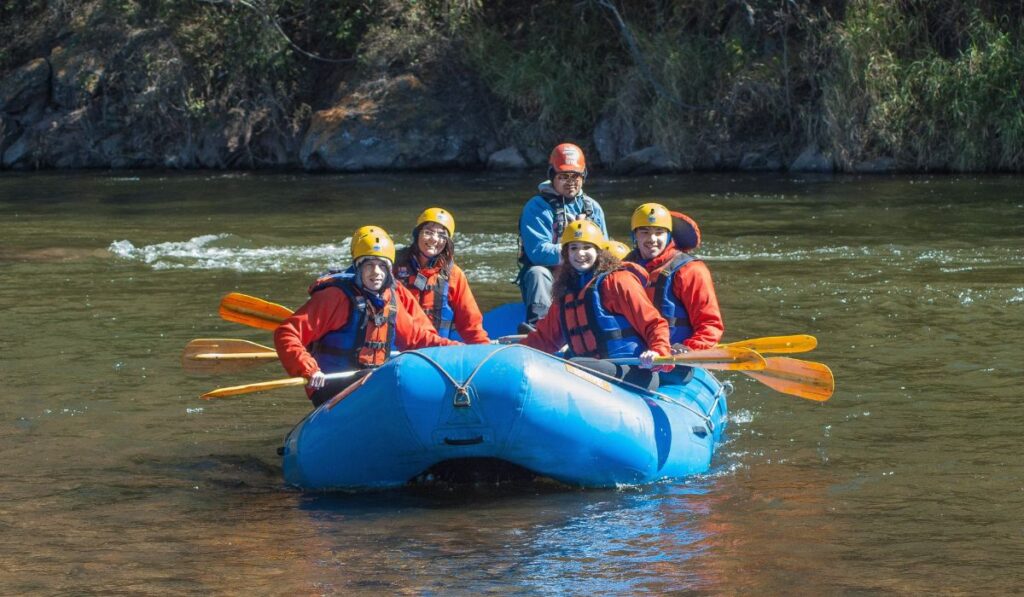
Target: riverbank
{"points": [[756, 85]]}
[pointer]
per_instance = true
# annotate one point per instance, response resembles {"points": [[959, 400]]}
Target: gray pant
{"points": [[535, 284]]}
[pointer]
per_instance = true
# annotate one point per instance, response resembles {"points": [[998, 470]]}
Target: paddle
{"points": [[221, 355], [778, 344], [770, 344], [806, 379], [269, 385], [718, 358], [252, 311]]}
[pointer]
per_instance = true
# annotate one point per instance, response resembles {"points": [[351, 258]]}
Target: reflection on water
{"points": [[118, 479]]}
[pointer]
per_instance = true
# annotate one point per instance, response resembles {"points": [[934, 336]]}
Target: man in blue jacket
{"points": [[559, 201]]}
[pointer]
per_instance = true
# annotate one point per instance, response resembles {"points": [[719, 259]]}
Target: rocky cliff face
{"points": [[108, 95]]}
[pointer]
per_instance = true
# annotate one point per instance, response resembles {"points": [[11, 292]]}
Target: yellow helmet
{"points": [[583, 231], [437, 215], [619, 250], [651, 214], [364, 230], [372, 241]]}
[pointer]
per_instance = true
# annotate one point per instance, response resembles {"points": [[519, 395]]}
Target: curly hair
{"points": [[567, 278]]}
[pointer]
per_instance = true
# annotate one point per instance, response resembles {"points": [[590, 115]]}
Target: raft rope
{"points": [[462, 393], [461, 389], [654, 393]]}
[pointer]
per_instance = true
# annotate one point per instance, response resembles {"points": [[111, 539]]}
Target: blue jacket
{"points": [[539, 233]]}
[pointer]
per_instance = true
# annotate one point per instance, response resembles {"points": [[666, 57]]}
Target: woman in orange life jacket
{"points": [[680, 284], [601, 311], [352, 320], [427, 269]]}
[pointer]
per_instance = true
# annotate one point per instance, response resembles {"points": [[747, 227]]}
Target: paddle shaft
{"points": [[241, 356], [769, 344], [720, 358], [270, 385]]}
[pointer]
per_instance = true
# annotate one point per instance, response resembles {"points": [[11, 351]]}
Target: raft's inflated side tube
{"points": [[521, 406]]}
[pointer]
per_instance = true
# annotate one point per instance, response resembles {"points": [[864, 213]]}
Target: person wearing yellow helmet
{"points": [[353, 320], [600, 310], [427, 269], [680, 284], [559, 200], [619, 249]]}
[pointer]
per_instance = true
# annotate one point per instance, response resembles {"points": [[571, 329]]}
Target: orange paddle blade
{"points": [[778, 344], [806, 379], [252, 311]]}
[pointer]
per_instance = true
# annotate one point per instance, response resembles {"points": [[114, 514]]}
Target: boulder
{"points": [[9, 131], [18, 154], [398, 123], [881, 165], [614, 137], [76, 77], [649, 160], [507, 159], [811, 159], [758, 161], [536, 157], [27, 86]]}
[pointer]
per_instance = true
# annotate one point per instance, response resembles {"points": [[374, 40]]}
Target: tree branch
{"points": [[638, 58], [262, 11]]}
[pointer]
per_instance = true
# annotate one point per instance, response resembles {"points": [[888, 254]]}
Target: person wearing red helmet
{"points": [[680, 284], [601, 311], [559, 201], [353, 320]]}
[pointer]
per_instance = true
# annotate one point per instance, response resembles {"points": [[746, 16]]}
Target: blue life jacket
{"points": [[592, 330], [670, 307], [366, 339]]}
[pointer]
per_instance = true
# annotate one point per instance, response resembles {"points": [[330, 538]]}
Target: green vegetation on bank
{"points": [[933, 85]]}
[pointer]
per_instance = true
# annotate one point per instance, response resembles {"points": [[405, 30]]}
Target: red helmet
{"points": [[568, 158]]}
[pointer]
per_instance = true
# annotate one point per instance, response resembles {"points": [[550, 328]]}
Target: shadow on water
{"points": [[453, 483]]}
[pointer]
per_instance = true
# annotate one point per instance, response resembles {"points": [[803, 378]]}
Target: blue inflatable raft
{"points": [[509, 403]]}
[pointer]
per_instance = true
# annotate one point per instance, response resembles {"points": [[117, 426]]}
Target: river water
{"points": [[118, 479]]}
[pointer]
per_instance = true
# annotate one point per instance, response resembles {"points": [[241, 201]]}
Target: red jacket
{"points": [[692, 285], [328, 310], [621, 293], [467, 320]]}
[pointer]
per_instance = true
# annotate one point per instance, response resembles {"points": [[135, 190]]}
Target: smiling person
{"points": [[601, 311], [427, 269], [559, 201], [680, 284], [353, 320]]}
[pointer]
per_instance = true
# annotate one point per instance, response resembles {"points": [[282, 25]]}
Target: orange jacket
{"points": [[621, 293], [467, 317], [328, 310], [692, 285]]}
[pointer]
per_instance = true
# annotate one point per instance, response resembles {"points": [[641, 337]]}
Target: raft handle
{"points": [[464, 442], [461, 397]]}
